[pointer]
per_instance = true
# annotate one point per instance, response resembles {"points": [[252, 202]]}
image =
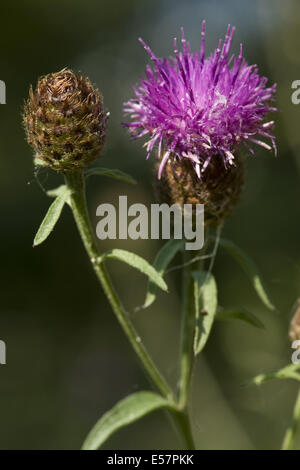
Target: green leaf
{"points": [[250, 269], [51, 217], [240, 314], [112, 173], [288, 372], [139, 263], [38, 162], [57, 191], [205, 313], [161, 262], [126, 411]]}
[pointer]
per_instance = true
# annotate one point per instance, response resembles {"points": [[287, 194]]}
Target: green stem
{"points": [[75, 181], [189, 290], [290, 434], [190, 299], [182, 421], [187, 331]]}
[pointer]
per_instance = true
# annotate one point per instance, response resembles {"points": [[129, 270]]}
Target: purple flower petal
{"points": [[196, 107]]}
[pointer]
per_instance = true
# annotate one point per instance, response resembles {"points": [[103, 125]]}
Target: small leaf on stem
{"points": [[250, 269], [57, 191], [112, 173], [239, 314], [138, 263], [126, 411], [51, 217], [161, 262], [288, 372], [206, 311]]}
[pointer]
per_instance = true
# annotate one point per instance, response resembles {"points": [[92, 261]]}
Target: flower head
{"points": [[65, 121], [195, 107], [218, 190]]}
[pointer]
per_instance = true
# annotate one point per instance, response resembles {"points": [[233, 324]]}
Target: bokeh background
{"points": [[67, 359]]}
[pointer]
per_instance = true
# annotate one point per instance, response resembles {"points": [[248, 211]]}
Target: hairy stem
{"points": [[290, 434], [75, 181]]}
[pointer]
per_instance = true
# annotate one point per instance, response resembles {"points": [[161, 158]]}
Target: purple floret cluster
{"points": [[195, 107]]}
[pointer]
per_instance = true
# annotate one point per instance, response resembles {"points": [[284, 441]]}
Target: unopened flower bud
{"points": [[218, 189], [65, 121]]}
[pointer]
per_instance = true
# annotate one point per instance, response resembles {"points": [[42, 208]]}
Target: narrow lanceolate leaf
{"points": [[57, 191], [138, 263], [205, 313], [51, 218], [161, 262], [126, 411], [239, 314], [111, 173], [289, 372], [250, 269]]}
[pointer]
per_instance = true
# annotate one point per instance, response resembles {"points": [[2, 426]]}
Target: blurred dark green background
{"points": [[67, 359]]}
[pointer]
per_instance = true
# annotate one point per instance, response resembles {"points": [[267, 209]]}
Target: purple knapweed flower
{"points": [[193, 107]]}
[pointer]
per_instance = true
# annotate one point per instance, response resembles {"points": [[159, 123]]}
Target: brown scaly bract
{"points": [[218, 189]]}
